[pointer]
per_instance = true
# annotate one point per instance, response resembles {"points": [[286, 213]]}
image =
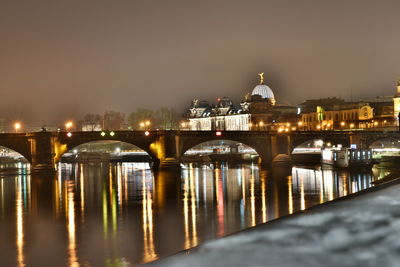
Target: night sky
{"points": [[62, 59]]}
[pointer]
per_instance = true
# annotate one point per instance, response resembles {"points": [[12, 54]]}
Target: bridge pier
{"points": [[169, 151], [42, 152]]}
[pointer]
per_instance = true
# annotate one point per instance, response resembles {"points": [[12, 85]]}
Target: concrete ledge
{"points": [[362, 229]]}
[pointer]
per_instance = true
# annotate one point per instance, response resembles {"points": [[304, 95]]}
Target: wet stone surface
{"points": [[363, 230]]}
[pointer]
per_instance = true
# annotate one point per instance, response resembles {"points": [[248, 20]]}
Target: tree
{"points": [[167, 119], [138, 116], [113, 120], [91, 122]]}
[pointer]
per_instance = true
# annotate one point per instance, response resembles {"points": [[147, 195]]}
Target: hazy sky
{"points": [[62, 59]]}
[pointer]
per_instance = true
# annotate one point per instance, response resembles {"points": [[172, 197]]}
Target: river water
{"points": [[123, 214]]}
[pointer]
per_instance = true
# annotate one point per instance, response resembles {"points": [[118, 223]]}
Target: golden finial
{"points": [[261, 77]]}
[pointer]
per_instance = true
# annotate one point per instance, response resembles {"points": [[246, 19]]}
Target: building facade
{"points": [[257, 111]]}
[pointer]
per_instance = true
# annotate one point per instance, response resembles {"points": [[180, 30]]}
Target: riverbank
{"points": [[358, 230]]}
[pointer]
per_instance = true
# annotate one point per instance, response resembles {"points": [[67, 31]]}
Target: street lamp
{"points": [[17, 126], [68, 125]]}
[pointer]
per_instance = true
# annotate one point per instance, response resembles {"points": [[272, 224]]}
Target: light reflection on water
{"points": [[123, 214]]}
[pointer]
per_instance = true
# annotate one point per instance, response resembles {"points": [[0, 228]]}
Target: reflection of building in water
{"points": [[327, 184], [22, 203], [149, 253], [231, 193]]}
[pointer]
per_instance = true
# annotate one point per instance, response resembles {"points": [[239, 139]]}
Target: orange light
{"points": [[147, 123], [68, 125], [293, 128], [146, 133], [17, 126], [300, 123], [342, 123], [351, 125], [218, 133], [318, 127]]}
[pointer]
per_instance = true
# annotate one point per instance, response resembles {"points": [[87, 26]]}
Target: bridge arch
{"points": [[326, 139], [69, 146], [7, 152], [258, 145], [383, 139], [21, 145]]}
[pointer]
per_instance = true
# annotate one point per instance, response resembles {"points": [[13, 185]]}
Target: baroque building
{"points": [[257, 111]]}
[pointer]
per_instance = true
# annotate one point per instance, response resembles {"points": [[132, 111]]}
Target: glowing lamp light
{"points": [[103, 134], [351, 125], [293, 128], [141, 124], [68, 125], [300, 123], [69, 134], [147, 123], [318, 127], [218, 133], [112, 133], [17, 126], [342, 123], [146, 133]]}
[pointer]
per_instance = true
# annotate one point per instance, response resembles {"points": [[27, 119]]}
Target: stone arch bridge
{"points": [[44, 149]]}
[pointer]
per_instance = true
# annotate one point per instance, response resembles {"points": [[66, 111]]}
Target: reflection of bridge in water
{"points": [[44, 149]]}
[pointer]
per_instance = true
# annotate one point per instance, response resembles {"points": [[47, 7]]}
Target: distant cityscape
{"points": [[259, 111]]}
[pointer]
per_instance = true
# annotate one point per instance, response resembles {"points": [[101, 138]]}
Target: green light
{"points": [[103, 134], [112, 133]]}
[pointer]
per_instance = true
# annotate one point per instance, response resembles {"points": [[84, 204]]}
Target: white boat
{"points": [[346, 157]]}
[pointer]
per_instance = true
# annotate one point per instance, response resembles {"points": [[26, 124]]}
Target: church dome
{"points": [[264, 91]]}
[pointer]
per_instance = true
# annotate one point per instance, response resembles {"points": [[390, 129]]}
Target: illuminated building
{"points": [[335, 113], [396, 102], [258, 111]]}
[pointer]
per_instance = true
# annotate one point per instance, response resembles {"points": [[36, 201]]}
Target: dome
{"points": [[264, 91]]}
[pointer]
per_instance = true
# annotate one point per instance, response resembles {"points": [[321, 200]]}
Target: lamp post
{"points": [[68, 125], [17, 126]]}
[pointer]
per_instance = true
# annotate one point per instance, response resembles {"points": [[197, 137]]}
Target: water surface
{"points": [[123, 214]]}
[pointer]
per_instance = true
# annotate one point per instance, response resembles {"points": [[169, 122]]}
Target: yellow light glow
{"points": [[68, 125], [147, 123], [351, 125], [342, 123], [318, 127], [287, 124], [141, 124], [261, 123], [293, 128], [376, 123], [17, 126], [300, 123]]}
